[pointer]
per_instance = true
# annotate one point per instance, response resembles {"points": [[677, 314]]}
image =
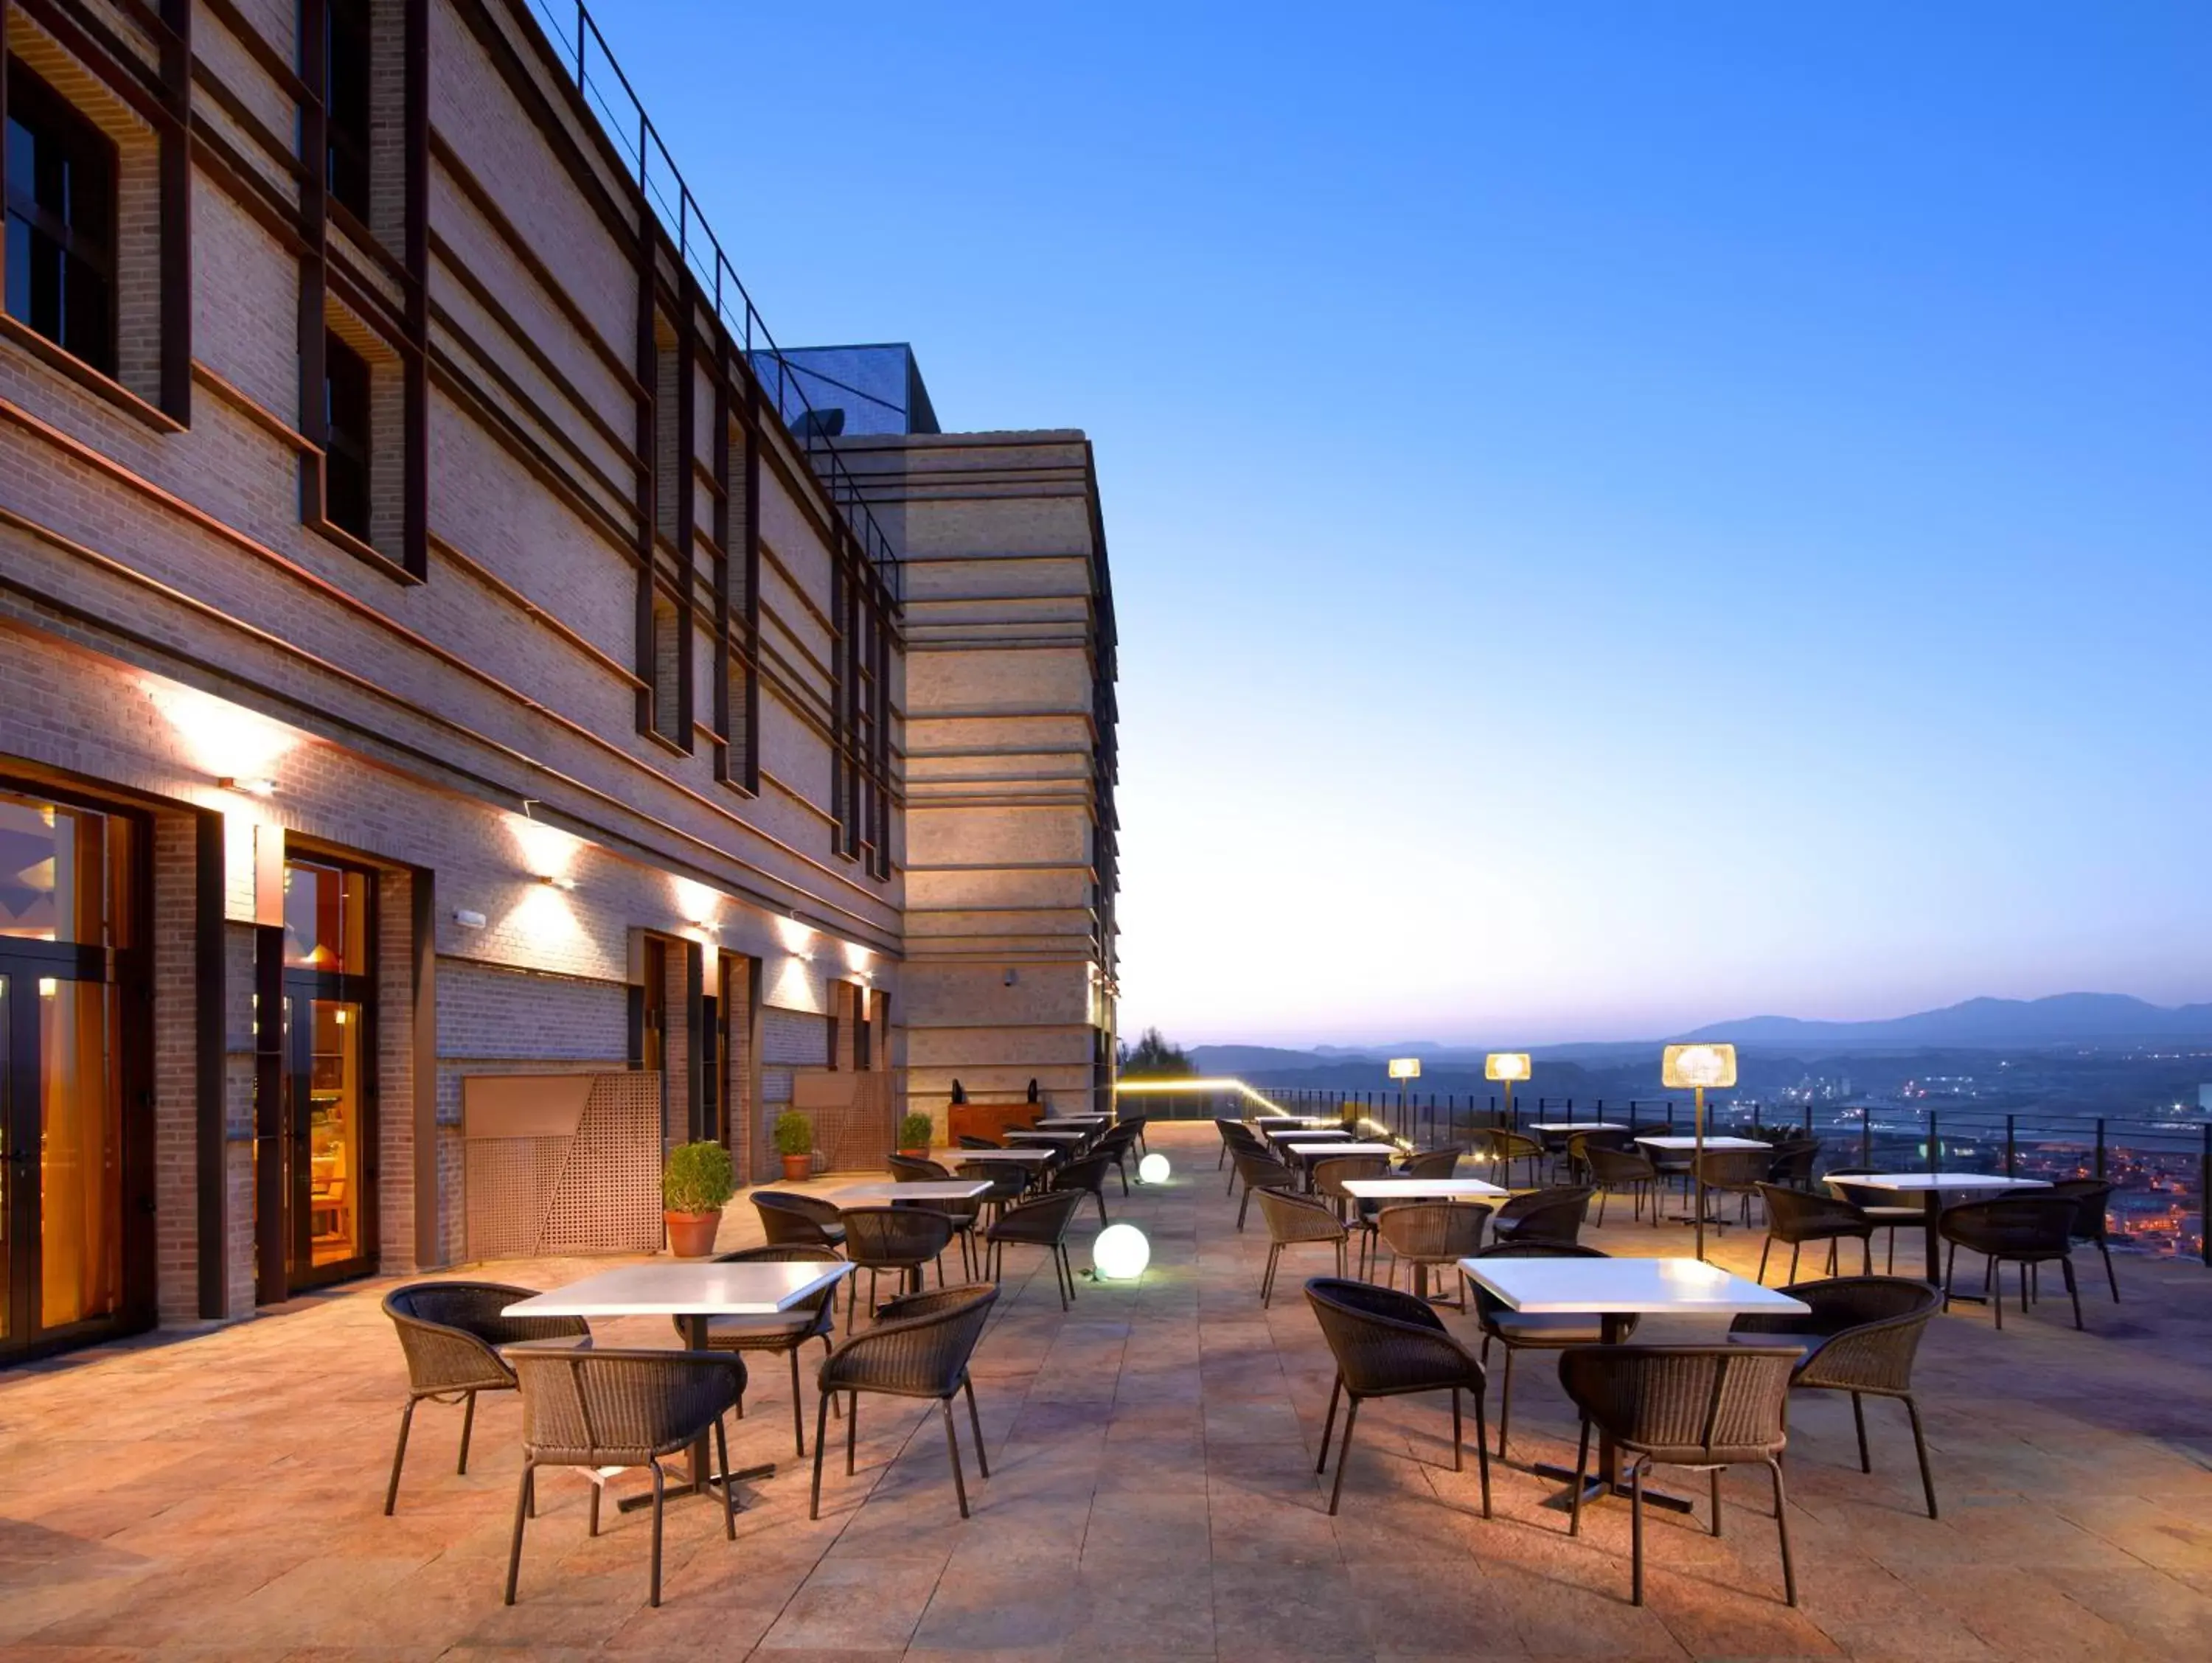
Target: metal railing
{"points": [[2158, 1169], [581, 51]]}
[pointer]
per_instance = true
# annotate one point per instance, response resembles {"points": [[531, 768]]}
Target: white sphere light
{"points": [[1153, 1170], [1120, 1253]]}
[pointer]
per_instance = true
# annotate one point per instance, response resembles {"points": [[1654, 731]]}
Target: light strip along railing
{"points": [[622, 120]]}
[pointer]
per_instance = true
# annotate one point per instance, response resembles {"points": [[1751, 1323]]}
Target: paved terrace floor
{"points": [[1153, 1496]]}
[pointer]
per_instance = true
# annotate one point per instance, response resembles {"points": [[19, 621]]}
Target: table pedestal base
{"points": [[678, 1488], [1597, 1487]]}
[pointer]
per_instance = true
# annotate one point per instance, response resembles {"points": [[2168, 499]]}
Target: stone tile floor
{"points": [[1153, 1496]]}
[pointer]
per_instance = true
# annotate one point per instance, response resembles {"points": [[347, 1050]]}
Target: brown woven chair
{"points": [[1137, 1122], [1791, 1162], [1115, 1143], [1521, 1331], [798, 1221], [919, 1348], [1089, 1176], [1292, 1219], [918, 1169], [1737, 1172], [1543, 1215], [1426, 1233], [1882, 1210], [449, 1332], [1389, 1344], [813, 1318], [1226, 1128], [969, 1140], [595, 1409], [1701, 1406], [2027, 1231], [1040, 1223], [1431, 1162], [1008, 1184], [964, 1215], [1260, 1170], [1860, 1337], [1610, 1169], [1796, 1216], [1241, 1139], [1330, 1177], [1502, 1148], [902, 1239], [2092, 1196]]}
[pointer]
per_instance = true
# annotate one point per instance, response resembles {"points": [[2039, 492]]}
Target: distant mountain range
{"points": [[2061, 1020]]}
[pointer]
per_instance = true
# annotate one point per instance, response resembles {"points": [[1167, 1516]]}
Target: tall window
{"points": [[345, 103], [345, 417], [61, 221]]}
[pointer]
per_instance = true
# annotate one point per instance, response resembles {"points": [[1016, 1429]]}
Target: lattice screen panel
{"points": [[548, 1172]]}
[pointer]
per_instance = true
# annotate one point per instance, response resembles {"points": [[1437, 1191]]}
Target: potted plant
{"points": [[914, 1132], [795, 1141], [696, 1184]]}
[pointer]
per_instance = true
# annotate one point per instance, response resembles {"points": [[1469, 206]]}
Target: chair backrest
{"points": [[1433, 1232], [910, 1170], [448, 1329], [1431, 1163], [1006, 1179], [1547, 1215], [1488, 1305], [1609, 1167], [1792, 1161], [1684, 1403], [1330, 1175], [1380, 1339], [1294, 1219], [1087, 1173], [969, 1140], [600, 1407], [895, 1236], [1260, 1170], [2013, 1226], [793, 1220], [1506, 1145], [1794, 1215], [919, 1347], [1041, 1220], [1732, 1168], [1870, 1326], [2092, 1196]]}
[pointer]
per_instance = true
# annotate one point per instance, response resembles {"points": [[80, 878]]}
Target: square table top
{"points": [[1049, 1135], [1065, 1122], [1920, 1181], [1293, 1132], [1028, 1157], [686, 1288], [1579, 1125], [1415, 1189], [1323, 1151], [932, 1189], [1619, 1287], [1673, 1141]]}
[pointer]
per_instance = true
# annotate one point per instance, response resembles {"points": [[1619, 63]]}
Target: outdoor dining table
{"points": [[1297, 1134], [1422, 1189], [1576, 1125], [1931, 1187], [1612, 1291], [1068, 1122], [1322, 1149], [1682, 1142], [1055, 1138], [930, 1189], [1020, 1158], [692, 1292]]}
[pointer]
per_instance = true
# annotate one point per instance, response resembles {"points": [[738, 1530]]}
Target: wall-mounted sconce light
{"points": [[250, 787], [1009, 978], [467, 919], [557, 881]]}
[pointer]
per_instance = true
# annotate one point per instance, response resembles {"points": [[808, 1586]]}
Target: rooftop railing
{"points": [[573, 36]]}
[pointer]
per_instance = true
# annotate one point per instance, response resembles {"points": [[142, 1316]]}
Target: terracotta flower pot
{"points": [[691, 1234], [915, 1154], [797, 1168]]}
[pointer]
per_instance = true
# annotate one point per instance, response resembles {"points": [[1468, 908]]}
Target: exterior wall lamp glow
{"points": [[250, 787], [557, 880], [1698, 1066]]}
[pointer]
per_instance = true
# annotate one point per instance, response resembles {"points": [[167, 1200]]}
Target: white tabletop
{"points": [[1049, 1136], [934, 1189], [1028, 1157], [1322, 1151], [1290, 1120], [677, 1289], [1920, 1181], [1064, 1122], [1618, 1287], [1415, 1189], [1711, 1144], [1577, 1126]]}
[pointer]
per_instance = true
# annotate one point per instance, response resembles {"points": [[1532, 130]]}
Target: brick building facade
{"points": [[431, 645]]}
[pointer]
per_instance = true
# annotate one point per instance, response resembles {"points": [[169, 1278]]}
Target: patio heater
{"points": [[1697, 1067]]}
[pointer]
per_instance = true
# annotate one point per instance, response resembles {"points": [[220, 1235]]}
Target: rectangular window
{"points": [[669, 716], [346, 423], [61, 221], [346, 57]]}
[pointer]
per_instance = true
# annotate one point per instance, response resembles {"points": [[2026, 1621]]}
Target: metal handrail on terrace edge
{"points": [[571, 49]]}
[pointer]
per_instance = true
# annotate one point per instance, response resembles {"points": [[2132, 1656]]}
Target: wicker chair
{"points": [[814, 1318], [1881, 1207], [449, 1332], [1292, 1219], [1737, 1172], [1241, 1139], [2027, 1231], [1227, 1128], [919, 1348], [1610, 1169], [1389, 1344], [1008, 1182], [798, 1221], [902, 1239], [602, 1409], [1088, 1174], [918, 1169], [964, 1215], [1137, 1124], [1431, 1162], [1543, 1215], [1706, 1406], [1520, 1330], [1426, 1233], [1330, 1175], [1860, 1337], [1503, 1148], [2090, 1195], [1260, 1170], [1040, 1223], [1115, 1144], [1791, 1161], [1796, 1216], [969, 1140]]}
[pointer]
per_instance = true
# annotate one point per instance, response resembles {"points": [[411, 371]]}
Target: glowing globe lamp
{"points": [[1120, 1254], [1153, 1170]]}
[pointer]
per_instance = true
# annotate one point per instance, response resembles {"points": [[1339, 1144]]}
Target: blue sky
{"points": [[1622, 515]]}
